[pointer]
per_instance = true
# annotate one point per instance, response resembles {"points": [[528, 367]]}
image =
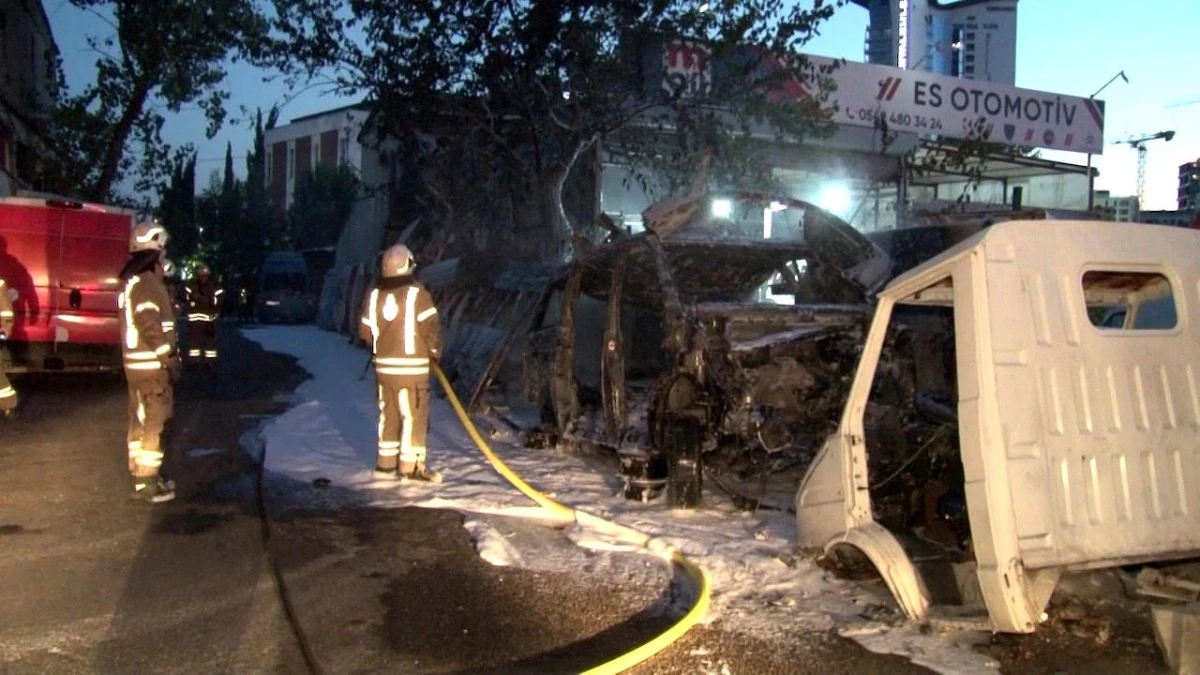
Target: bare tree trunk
{"points": [[550, 197]]}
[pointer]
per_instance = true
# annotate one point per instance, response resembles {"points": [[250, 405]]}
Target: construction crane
{"points": [[1139, 144]]}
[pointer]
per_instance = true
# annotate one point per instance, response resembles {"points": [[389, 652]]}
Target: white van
{"points": [[1078, 410]]}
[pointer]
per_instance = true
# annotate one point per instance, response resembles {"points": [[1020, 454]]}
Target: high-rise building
{"points": [[1189, 186], [975, 39]]}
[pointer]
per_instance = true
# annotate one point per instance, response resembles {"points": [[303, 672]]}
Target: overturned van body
{"points": [[1074, 350]]}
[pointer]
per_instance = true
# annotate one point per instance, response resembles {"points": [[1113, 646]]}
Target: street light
{"points": [[1092, 181]]}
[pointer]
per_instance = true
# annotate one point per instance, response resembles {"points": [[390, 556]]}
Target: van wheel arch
{"points": [[894, 566]]}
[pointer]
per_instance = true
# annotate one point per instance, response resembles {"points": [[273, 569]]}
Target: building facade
{"points": [[1122, 209], [1189, 186], [29, 55], [975, 39], [327, 138]]}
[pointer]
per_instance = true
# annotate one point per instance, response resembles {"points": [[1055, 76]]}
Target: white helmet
{"points": [[148, 236], [398, 261]]}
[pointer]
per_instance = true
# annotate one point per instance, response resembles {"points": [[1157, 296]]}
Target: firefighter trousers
{"points": [[202, 340], [151, 404], [403, 420], [8, 395]]}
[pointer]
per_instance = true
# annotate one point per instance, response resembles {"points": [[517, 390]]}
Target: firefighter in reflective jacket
{"points": [[401, 323], [148, 344], [204, 308], [8, 395]]}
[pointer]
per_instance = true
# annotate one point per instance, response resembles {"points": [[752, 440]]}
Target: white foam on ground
{"points": [[759, 588]]}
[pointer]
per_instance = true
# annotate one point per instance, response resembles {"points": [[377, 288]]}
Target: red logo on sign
{"points": [[887, 88], [1029, 135], [1069, 140]]}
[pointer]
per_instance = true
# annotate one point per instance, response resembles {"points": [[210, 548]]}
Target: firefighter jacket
{"points": [[204, 300], [400, 320], [147, 323], [6, 310]]}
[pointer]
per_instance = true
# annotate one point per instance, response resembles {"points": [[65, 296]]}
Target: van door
{"points": [[29, 259], [93, 251]]}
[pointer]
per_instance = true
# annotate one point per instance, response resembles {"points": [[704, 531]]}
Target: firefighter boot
{"points": [[153, 489], [419, 472]]}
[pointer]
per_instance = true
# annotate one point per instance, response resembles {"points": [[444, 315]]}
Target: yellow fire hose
{"points": [[703, 590]]}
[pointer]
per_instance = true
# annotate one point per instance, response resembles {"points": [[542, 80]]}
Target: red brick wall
{"points": [[329, 148], [303, 157]]}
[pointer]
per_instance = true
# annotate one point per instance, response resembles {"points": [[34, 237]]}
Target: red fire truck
{"points": [[60, 260]]}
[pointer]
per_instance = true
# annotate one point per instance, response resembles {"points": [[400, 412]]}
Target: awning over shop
{"points": [[996, 166]]}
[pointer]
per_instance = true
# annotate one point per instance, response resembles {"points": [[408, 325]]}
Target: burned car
{"points": [[726, 333]]}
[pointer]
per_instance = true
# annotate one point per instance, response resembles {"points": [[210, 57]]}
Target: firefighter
{"points": [[204, 309], [175, 288], [401, 323], [8, 395], [152, 364]]}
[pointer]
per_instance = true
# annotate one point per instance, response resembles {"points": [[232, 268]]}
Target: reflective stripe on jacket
{"points": [[204, 300], [402, 324], [147, 322]]}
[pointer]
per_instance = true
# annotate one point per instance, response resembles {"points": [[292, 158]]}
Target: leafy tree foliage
{"points": [[157, 58], [177, 206], [324, 199], [536, 84]]}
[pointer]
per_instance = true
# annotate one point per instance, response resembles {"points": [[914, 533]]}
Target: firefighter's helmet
{"points": [[202, 270], [398, 261], [148, 236]]}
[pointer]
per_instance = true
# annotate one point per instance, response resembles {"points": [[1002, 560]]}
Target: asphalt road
{"points": [[94, 582]]}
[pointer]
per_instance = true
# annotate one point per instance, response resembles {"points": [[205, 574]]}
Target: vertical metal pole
{"points": [[901, 196], [1091, 202]]}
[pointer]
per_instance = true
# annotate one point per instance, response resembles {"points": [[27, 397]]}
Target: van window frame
{"points": [[1167, 273]]}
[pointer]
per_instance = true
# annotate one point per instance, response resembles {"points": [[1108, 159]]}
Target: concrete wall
{"points": [[27, 57]]}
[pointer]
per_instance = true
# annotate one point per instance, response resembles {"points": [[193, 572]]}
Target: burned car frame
{"points": [[702, 335]]}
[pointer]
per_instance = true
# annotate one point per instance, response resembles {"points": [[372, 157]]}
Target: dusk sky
{"points": [[1063, 46]]}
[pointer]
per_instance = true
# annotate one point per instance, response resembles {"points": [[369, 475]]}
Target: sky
{"points": [[1063, 46], [759, 588]]}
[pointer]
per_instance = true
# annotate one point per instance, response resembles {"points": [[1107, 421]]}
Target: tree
{"points": [[177, 206], [324, 199], [160, 56], [211, 249], [540, 82], [259, 216]]}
